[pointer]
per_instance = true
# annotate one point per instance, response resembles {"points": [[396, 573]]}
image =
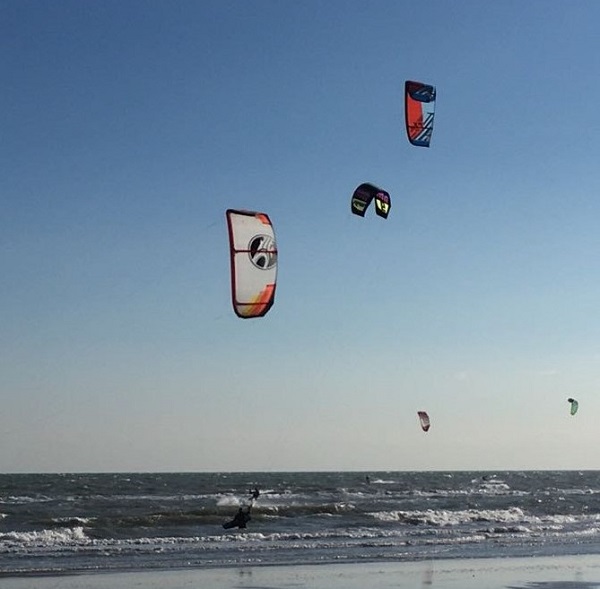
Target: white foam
{"points": [[452, 518], [228, 501], [80, 520], [21, 500], [45, 538]]}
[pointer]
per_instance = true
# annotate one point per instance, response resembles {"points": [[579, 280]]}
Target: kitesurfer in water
{"points": [[240, 519]]}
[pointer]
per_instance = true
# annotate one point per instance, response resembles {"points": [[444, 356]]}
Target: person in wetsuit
{"points": [[240, 519]]}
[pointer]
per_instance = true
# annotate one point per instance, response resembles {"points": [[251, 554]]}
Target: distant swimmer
{"points": [[240, 520], [368, 480]]}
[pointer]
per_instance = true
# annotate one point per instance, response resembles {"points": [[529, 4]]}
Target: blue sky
{"points": [[128, 128]]}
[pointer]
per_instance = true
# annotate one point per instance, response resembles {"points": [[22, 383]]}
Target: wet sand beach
{"points": [[564, 572]]}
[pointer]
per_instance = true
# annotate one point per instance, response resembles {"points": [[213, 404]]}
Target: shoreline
{"points": [[572, 571]]}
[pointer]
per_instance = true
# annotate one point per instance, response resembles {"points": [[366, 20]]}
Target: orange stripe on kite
{"points": [[414, 115], [260, 304]]}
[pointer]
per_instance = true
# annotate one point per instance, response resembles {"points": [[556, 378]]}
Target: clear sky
{"points": [[127, 128]]}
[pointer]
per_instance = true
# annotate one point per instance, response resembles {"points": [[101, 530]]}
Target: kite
{"points": [[574, 405], [253, 256], [419, 110], [364, 194], [424, 419]]}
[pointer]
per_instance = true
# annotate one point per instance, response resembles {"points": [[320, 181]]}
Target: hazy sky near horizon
{"points": [[129, 127]]}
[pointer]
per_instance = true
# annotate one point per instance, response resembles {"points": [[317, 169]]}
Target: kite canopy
{"points": [[419, 111], [574, 405], [424, 419], [364, 194], [253, 255]]}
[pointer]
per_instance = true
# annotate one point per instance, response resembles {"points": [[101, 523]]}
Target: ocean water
{"points": [[58, 523]]}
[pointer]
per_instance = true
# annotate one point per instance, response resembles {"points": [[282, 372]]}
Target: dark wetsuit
{"points": [[240, 520]]}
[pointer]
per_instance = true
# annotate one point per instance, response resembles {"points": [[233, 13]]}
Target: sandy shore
{"points": [[565, 572]]}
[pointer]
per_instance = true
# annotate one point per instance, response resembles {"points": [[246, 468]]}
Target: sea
{"points": [[68, 523]]}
